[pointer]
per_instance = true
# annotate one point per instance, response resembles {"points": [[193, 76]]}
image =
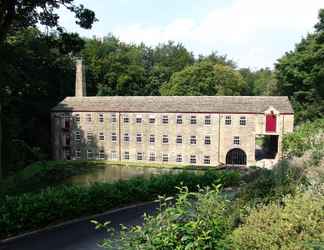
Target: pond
{"points": [[112, 173]]}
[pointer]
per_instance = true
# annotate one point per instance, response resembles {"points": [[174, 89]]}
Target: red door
{"points": [[271, 123]]}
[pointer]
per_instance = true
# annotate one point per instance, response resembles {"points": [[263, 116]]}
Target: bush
{"points": [[297, 223], [197, 221], [308, 137], [264, 185], [34, 210]]}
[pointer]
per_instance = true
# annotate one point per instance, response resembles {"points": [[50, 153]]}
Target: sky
{"points": [[253, 33]]}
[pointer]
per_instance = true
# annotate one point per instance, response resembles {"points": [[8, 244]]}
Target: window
{"points": [[77, 136], [152, 119], [113, 137], [165, 119], [89, 136], [89, 154], [179, 158], [152, 139], [179, 139], [67, 140], [78, 154], [152, 156], [113, 155], [113, 118], [207, 140], [126, 119], [88, 117], [138, 137], [126, 155], [67, 123], [138, 119], [165, 157], [193, 159], [207, 120], [101, 117], [126, 137], [193, 139], [236, 140], [179, 119], [102, 154], [228, 120], [139, 156], [77, 117], [193, 119], [101, 136], [165, 139], [242, 120], [206, 159]]}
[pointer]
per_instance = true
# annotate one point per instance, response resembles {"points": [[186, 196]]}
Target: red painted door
{"points": [[271, 123]]}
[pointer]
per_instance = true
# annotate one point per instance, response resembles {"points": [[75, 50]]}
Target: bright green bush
{"points": [[198, 220], [34, 210], [295, 223], [308, 137]]}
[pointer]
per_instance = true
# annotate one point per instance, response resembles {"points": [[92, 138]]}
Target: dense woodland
{"points": [[37, 71]]}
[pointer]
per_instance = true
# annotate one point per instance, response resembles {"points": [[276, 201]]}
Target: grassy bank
{"points": [[35, 210]]}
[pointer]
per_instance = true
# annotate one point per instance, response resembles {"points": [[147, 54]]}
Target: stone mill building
{"points": [[189, 130]]}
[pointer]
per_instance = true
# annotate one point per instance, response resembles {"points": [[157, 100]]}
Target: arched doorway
{"points": [[236, 156]]}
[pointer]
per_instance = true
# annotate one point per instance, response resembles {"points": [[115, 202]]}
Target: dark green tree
{"points": [[300, 74]]}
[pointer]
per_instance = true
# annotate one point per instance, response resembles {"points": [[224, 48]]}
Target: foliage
{"points": [[37, 72], [300, 75], [16, 15], [259, 82], [41, 175], [296, 223], [34, 210], [307, 137], [205, 78], [265, 185], [198, 220]]}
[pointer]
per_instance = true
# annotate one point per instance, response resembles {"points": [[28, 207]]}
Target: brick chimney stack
{"points": [[80, 80]]}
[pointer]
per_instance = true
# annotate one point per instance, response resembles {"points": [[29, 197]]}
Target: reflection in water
{"points": [[111, 173]]}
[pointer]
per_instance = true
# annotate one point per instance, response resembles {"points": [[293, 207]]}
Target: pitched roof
{"points": [[165, 104]]}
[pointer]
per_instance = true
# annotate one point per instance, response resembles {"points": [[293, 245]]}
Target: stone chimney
{"points": [[80, 81]]}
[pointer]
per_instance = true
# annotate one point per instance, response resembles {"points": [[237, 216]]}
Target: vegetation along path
{"points": [[79, 234]]}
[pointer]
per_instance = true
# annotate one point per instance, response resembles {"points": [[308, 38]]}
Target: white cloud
{"points": [[253, 32]]}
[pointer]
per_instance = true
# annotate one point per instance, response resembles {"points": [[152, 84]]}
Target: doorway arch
{"points": [[236, 156]]}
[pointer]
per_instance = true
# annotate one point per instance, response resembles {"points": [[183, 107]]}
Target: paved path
{"points": [[80, 235]]}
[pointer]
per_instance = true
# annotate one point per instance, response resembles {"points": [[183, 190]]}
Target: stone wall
{"points": [[221, 135]]}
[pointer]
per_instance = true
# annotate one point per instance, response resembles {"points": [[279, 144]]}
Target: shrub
{"points": [[264, 185], [308, 137], [296, 223], [34, 210], [197, 221]]}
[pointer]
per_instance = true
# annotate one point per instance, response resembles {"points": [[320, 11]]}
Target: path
{"points": [[79, 235]]}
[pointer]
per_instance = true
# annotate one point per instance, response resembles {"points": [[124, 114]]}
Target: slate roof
{"points": [[181, 104]]}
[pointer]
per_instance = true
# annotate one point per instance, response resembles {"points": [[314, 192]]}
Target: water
{"points": [[112, 173]]}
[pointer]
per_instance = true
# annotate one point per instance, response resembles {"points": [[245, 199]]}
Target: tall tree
{"points": [[16, 15], [205, 78], [300, 74]]}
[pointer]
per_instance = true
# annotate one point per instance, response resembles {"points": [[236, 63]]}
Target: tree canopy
{"points": [[300, 74], [18, 14], [205, 78]]}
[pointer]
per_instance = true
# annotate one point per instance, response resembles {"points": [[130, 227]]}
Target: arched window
{"points": [[236, 156]]}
